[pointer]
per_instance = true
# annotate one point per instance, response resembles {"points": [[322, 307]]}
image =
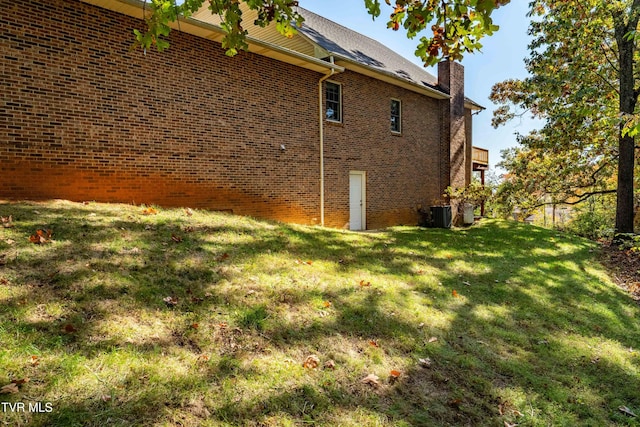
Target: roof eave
{"points": [[471, 105], [135, 9], [388, 77]]}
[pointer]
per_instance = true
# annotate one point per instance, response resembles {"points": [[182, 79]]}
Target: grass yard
{"points": [[171, 319]]}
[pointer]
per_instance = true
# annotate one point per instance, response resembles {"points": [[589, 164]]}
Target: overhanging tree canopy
{"points": [[456, 26]]}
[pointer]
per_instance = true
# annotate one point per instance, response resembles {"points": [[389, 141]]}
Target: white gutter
{"points": [[321, 123]]}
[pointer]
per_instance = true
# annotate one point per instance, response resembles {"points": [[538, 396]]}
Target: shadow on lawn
{"points": [[500, 338]]}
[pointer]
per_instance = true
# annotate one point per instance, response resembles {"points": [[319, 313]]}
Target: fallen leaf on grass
{"points": [[189, 229], [20, 381], [330, 364], [432, 339], [188, 211], [503, 407], [394, 378], [627, 411], [455, 403], [132, 251], [7, 221], [506, 408], [304, 262], [394, 374], [372, 380], [311, 362], [41, 236], [364, 284], [223, 257], [34, 361], [326, 304], [506, 424], [69, 328], [195, 325], [170, 301], [373, 343], [105, 398], [455, 293], [425, 363], [9, 388], [176, 239], [203, 358], [149, 211]]}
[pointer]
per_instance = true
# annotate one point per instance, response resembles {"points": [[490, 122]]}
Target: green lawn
{"points": [[128, 319]]}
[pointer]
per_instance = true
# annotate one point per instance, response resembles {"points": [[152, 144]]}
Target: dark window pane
{"points": [[395, 115], [333, 100]]}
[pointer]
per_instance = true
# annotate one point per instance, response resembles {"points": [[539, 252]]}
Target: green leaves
{"points": [[454, 27], [575, 86], [373, 6], [163, 12]]}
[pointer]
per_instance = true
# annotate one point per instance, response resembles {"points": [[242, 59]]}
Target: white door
{"points": [[357, 201]]}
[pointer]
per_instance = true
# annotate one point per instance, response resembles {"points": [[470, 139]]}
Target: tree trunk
{"points": [[628, 97]]}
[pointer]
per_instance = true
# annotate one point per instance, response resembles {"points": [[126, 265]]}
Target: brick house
{"points": [[329, 127]]}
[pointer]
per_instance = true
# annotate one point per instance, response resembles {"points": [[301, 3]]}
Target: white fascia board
{"points": [[135, 9]]}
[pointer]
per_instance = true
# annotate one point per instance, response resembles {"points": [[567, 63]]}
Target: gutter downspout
{"points": [[321, 123]]}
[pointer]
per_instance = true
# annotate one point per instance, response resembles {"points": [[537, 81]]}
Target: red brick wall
{"points": [[402, 171], [468, 127], [82, 117], [456, 136]]}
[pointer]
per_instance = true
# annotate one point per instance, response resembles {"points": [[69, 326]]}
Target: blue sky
{"points": [[501, 58]]}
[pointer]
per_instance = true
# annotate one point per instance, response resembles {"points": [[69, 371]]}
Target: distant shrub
{"points": [[595, 218]]}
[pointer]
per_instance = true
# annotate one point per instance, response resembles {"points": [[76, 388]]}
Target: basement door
{"points": [[357, 200]]}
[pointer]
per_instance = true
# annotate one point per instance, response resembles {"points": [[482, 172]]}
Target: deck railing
{"points": [[480, 156]]}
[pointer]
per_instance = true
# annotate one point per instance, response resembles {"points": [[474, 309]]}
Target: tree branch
{"points": [[597, 171], [604, 53], [585, 196], [581, 198], [617, 90]]}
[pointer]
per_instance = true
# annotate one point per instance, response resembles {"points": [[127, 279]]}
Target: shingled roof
{"points": [[345, 43]]}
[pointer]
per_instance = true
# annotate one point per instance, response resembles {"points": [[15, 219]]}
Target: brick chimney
{"points": [[454, 148]]}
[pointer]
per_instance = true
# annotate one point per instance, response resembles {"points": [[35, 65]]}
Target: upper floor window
{"points": [[333, 95], [396, 116]]}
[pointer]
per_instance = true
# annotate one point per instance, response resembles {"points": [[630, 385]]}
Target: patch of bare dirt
{"points": [[624, 266]]}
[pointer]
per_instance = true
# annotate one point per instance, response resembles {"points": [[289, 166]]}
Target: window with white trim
{"points": [[396, 116], [333, 107]]}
